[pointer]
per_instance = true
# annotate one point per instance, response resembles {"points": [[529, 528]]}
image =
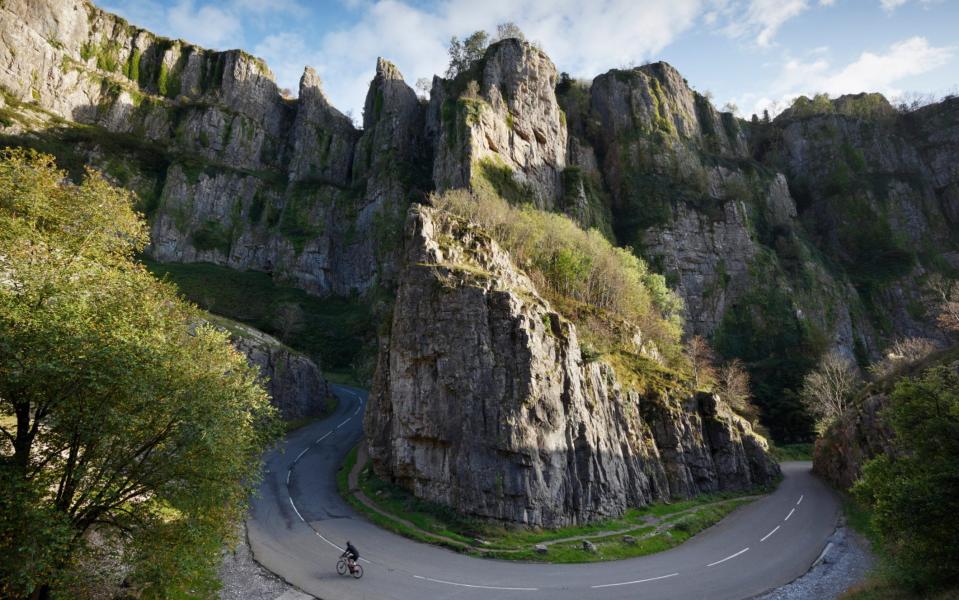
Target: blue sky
{"points": [[755, 54]]}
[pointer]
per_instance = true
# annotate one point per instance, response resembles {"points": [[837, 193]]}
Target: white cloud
{"points": [[583, 38], [870, 72], [761, 19], [206, 25], [891, 5]]}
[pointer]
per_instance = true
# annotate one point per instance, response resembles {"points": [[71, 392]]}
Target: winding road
{"points": [[298, 524]]}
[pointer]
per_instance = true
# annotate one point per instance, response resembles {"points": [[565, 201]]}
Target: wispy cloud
{"points": [[873, 72]]}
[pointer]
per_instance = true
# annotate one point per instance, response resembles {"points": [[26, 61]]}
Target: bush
{"points": [[914, 493]]}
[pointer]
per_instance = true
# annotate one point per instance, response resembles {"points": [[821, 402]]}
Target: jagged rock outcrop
{"points": [[500, 122], [228, 169], [876, 189], [860, 435], [295, 383], [484, 402]]}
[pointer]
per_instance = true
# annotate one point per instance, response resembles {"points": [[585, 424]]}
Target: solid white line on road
{"points": [[288, 473], [790, 514], [343, 423], [480, 587], [606, 585], [297, 512], [727, 558], [769, 534], [801, 496], [318, 440]]}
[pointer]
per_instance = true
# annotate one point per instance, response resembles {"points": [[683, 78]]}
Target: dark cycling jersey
{"points": [[352, 552]]}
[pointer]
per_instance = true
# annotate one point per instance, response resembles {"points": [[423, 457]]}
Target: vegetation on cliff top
{"points": [[121, 418], [580, 271]]}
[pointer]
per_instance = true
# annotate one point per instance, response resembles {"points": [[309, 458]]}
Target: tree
{"points": [[508, 30], [118, 415], [289, 319], [948, 299], [732, 384], [423, 85], [901, 354], [464, 53], [702, 361], [828, 389], [914, 491]]}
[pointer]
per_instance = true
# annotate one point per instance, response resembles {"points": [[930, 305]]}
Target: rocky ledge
{"points": [[483, 400]]}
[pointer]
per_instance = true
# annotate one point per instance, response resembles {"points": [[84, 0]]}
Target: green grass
{"points": [[512, 542], [788, 452], [339, 331]]}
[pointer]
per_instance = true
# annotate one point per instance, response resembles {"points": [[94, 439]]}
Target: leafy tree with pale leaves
{"points": [[120, 418], [828, 389]]}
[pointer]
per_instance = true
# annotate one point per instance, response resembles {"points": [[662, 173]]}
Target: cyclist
{"points": [[352, 554]]}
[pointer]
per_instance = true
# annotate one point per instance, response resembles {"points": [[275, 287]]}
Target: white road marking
{"points": [[801, 496], [606, 585], [318, 440], [480, 587], [790, 514], [357, 411], [288, 473], [297, 512], [300, 455], [769, 534], [727, 558], [343, 423]]}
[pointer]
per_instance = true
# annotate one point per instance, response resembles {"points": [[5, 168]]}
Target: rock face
{"points": [[229, 170], [295, 384], [501, 120], [861, 435], [484, 402]]}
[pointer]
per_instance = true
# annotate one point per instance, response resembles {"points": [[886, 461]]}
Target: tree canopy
{"points": [[121, 419], [914, 492]]}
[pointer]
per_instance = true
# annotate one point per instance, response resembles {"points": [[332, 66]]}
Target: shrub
{"points": [[576, 268], [914, 492]]}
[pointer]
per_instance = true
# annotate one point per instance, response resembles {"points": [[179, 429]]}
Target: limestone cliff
{"points": [[483, 400], [228, 169], [500, 124], [295, 384]]}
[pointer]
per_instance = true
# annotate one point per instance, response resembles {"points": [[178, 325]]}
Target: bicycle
{"points": [[344, 566]]}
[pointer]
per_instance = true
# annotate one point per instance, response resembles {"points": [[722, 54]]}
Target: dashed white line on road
{"points": [[606, 585], [318, 440], [728, 558], [343, 423], [288, 473], [769, 534], [300, 455], [481, 587], [790, 514], [801, 496]]}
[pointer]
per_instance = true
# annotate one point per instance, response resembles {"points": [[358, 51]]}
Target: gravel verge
{"points": [[244, 579], [846, 562]]}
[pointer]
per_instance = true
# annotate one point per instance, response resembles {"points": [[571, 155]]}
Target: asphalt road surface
{"points": [[298, 525]]}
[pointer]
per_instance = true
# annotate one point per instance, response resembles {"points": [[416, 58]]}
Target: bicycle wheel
{"points": [[341, 567], [357, 571]]}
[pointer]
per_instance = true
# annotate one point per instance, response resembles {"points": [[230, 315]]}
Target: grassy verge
{"points": [[788, 452], [338, 331], [655, 528]]}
